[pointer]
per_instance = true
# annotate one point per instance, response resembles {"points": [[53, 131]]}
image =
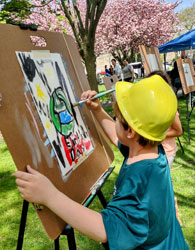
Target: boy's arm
{"points": [[105, 121], [132, 72], [35, 187], [176, 128], [83, 219]]}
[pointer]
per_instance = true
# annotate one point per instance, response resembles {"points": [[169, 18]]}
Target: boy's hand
{"points": [[93, 105], [35, 187]]}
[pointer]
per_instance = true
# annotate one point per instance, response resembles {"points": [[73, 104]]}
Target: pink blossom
{"points": [[124, 24]]}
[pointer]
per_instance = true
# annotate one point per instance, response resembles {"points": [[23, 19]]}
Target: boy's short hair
{"points": [[142, 141], [163, 74]]}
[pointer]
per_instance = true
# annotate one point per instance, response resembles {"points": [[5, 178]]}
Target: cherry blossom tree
{"points": [[117, 28], [126, 24], [77, 17]]}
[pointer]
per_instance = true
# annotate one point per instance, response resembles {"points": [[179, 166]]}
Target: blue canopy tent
{"points": [[183, 42]]}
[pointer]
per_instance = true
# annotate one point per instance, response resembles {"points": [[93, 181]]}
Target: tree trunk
{"points": [[90, 64]]}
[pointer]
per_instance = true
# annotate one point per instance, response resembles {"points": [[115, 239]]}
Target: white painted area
{"points": [[188, 75], [152, 62]]}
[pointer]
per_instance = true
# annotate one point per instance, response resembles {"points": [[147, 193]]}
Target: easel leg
{"points": [[56, 244], [188, 117], [106, 246], [102, 199], [180, 145], [71, 238], [22, 224]]}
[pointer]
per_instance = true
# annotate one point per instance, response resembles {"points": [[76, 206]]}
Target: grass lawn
{"points": [[182, 174]]}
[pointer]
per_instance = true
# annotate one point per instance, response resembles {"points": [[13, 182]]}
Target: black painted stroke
{"points": [[64, 86]]}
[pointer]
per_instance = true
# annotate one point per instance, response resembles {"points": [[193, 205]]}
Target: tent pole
{"points": [[191, 53], [165, 61]]}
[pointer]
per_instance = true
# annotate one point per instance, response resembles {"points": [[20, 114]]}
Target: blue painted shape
{"points": [[47, 142], [45, 134], [52, 153], [26, 88], [65, 117]]}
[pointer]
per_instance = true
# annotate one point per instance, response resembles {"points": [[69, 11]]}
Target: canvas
{"points": [[52, 92]]}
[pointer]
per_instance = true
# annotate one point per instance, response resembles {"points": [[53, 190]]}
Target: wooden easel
{"points": [[24, 115], [68, 230], [150, 58]]}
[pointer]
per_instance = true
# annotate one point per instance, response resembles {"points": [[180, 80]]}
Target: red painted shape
{"points": [[66, 151], [87, 144]]}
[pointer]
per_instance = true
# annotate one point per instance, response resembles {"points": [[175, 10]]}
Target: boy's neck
{"points": [[138, 153]]}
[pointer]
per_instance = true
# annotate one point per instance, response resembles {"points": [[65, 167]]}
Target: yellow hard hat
{"points": [[149, 106]]}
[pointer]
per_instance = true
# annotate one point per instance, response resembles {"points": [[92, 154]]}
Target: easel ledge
{"points": [[68, 230]]}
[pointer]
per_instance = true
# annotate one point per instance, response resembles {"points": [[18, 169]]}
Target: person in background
{"points": [[142, 70], [175, 130], [111, 70], [107, 71], [128, 72], [116, 69]]}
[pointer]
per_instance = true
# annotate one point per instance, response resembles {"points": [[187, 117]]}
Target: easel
{"points": [[68, 231], [150, 58], [188, 85]]}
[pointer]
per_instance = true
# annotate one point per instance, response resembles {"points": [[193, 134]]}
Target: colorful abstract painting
{"points": [[52, 93]]}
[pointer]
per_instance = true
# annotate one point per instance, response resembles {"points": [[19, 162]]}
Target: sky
{"points": [[183, 5]]}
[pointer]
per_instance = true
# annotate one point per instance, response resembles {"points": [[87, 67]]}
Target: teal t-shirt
{"points": [[141, 214]]}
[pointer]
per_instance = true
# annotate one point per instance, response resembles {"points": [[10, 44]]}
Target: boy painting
{"points": [[141, 214]]}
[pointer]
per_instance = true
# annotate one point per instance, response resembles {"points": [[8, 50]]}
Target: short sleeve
{"points": [[130, 67], [126, 217]]}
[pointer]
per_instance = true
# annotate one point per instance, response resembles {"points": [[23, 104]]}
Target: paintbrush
{"points": [[94, 97]]}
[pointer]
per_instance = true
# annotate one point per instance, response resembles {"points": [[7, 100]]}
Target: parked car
{"points": [[137, 69], [100, 77]]}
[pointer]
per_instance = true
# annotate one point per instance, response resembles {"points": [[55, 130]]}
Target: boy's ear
{"points": [[131, 133]]}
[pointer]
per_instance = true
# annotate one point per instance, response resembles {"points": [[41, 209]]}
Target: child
{"points": [[175, 130], [141, 214]]}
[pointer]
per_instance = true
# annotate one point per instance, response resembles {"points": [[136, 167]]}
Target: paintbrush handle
{"points": [[94, 97], [102, 94]]}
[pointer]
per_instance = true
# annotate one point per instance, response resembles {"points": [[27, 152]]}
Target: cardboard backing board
{"points": [[150, 58], [186, 74], [109, 82], [26, 144]]}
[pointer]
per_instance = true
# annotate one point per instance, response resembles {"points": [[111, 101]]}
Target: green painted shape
{"points": [[57, 105], [54, 116]]}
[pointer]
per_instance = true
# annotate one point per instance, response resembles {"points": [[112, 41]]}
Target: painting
{"points": [[53, 95], [150, 58], [186, 74], [152, 62]]}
